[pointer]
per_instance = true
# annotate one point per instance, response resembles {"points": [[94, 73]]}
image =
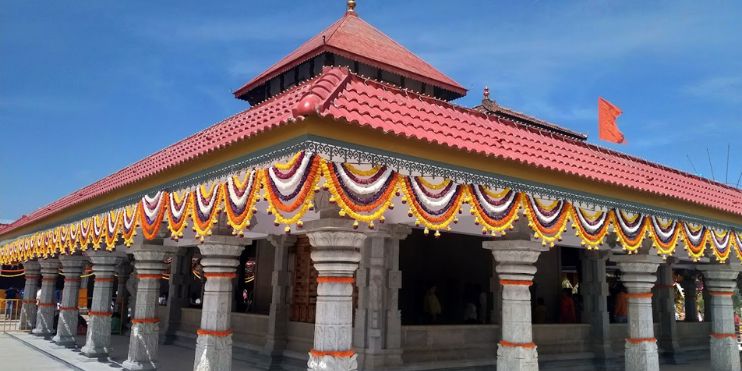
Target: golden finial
{"points": [[351, 6]]}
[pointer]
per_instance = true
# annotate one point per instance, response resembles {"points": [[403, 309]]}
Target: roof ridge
{"points": [[323, 91]]}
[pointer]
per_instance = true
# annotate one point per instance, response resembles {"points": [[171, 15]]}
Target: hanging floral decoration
{"points": [[206, 201], [113, 226], [433, 205], [289, 188], [98, 231], [591, 226], [151, 212], [179, 205], [630, 229], [720, 243], [737, 242], [548, 219], [239, 200], [494, 210], [364, 195], [664, 234], [129, 222], [695, 237]]}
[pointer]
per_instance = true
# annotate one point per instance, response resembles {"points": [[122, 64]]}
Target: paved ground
{"points": [[21, 350]]}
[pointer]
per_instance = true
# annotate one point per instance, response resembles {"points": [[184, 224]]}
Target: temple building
{"points": [[353, 217]]}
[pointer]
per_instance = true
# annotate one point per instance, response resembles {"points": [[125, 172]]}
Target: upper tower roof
{"points": [[353, 43]]}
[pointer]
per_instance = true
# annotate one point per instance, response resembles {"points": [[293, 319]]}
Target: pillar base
{"points": [[330, 363], [724, 354], [136, 366], [516, 358], [213, 353], [143, 345], [642, 356], [98, 344], [65, 341]]}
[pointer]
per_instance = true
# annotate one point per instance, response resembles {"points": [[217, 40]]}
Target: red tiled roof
{"points": [[338, 94], [354, 38]]}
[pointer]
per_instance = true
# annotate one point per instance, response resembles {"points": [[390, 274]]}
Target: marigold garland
{"points": [[179, 207], [303, 200], [240, 198], [129, 223], [494, 211], [591, 226], [374, 207], [696, 238], [113, 226], [721, 244], [151, 213], [664, 234], [547, 221], [445, 213], [98, 231], [205, 205], [630, 229]]}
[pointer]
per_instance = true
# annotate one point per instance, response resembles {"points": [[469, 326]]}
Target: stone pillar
{"points": [[378, 327], [47, 304], [32, 273], [594, 288], [668, 331], [123, 270], [721, 280], [98, 338], [690, 292], [143, 342], [515, 268], [335, 255], [220, 256], [638, 275], [278, 317], [72, 266], [180, 273]]}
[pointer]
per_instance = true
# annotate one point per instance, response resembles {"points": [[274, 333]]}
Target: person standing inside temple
{"points": [[621, 309], [431, 305], [567, 312]]}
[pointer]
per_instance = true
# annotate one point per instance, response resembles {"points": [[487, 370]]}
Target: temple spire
{"points": [[351, 9]]}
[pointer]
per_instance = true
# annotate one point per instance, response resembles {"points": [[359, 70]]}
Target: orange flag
{"points": [[607, 129]]}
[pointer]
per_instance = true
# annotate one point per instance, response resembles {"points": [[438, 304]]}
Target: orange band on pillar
{"points": [[516, 282], [103, 279], [220, 275], [721, 293], [332, 279], [510, 344], [145, 320], [99, 314], [640, 340], [722, 336], [71, 280], [333, 353], [639, 295], [214, 333], [31, 277], [49, 279], [28, 301], [68, 308], [149, 276], [42, 305]]}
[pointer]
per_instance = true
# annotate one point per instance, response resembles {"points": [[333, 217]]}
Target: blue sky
{"points": [[88, 87]]}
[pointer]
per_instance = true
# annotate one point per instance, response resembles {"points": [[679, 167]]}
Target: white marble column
{"points": [[47, 304], [690, 292], [98, 338], [721, 280], [335, 255], [220, 256], [594, 288], [278, 316], [378, 328], [32, 273], [668, 336], [638, 275], [72, 266], [143, 342], [515, 268]]}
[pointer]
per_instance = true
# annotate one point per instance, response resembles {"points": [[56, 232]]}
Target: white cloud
{"points": [[727, 88]]}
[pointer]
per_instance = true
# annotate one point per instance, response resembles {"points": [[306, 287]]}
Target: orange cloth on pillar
{"points": [[607, 115]]}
